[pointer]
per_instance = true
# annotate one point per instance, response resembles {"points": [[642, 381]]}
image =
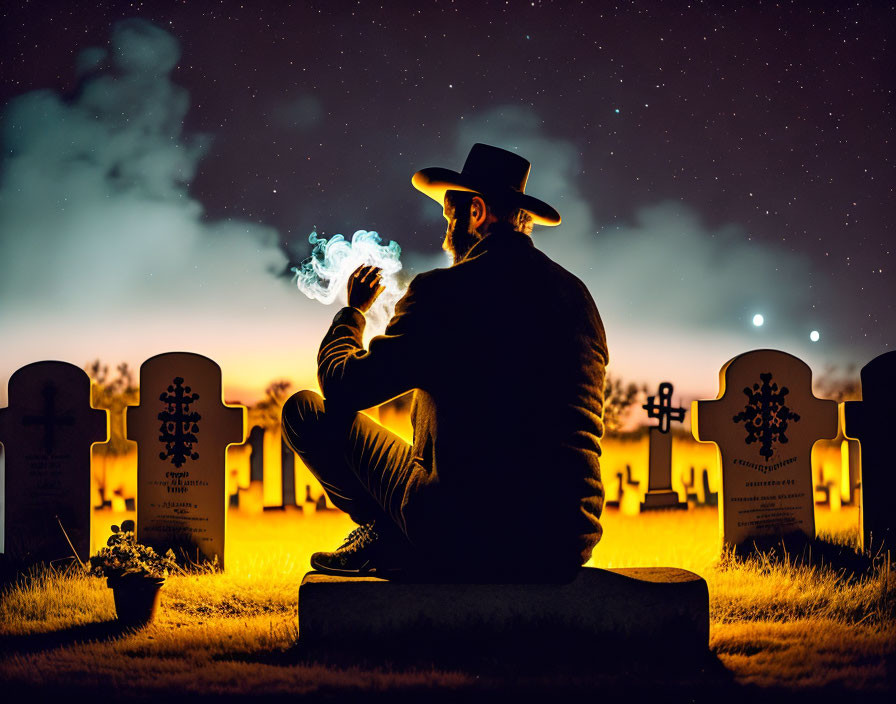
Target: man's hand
{"points": [[364, 287]]}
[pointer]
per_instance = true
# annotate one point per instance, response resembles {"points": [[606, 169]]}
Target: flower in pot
{"points": [[134, 572]]}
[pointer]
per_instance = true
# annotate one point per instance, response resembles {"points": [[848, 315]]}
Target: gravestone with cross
{"points": [[660, 494], [765, 422], [871, 421], [47, 432], [182, 430]]}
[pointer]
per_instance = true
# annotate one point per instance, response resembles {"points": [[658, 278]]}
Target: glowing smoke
{"points": [[104, 251], [324, 275]]}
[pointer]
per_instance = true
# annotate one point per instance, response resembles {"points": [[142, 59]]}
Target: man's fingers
{"points": [[368, 271]]}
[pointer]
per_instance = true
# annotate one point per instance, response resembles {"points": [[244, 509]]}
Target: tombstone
{"points": [[850, 466], [660, 494], [256, 461], [2, 491], [826, 495], [690, 493], [308, 486], [765, 422], [615, 503], [272, 460], [288, 475], [316, 505], [870, 421], [182, 430], [310, 504], [238, 471], [827, 468], [47, 432], [710, 497], [625, 480]]}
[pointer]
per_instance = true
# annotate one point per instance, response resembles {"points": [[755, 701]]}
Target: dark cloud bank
{"points": [[96, 220]]}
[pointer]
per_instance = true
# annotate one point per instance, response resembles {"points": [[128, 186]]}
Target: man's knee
{"points": [[302, 415]]}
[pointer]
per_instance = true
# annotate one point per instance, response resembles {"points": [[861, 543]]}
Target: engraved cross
{"points": [[49, 420]]}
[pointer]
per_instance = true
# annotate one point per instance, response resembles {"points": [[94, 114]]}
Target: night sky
{"points": [[164, 163]]}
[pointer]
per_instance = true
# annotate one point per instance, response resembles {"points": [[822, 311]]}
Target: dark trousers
{"points": [[363, 467]]}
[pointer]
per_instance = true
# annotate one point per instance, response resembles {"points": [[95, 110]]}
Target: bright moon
{"points": [[814, 336], [758, 320]]}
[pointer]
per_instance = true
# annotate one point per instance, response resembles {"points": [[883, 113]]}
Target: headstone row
{"points": [[182, 429], [764, 421]]}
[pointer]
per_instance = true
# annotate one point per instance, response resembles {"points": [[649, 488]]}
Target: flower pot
{"points": [[136, 598]]}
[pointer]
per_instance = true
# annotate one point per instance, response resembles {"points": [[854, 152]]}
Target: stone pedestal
{"points": [[663, 499], [663, 611], [660, 494]]}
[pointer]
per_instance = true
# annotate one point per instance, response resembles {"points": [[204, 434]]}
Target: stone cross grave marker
{"points": [[182, 430], [765, 422], [872, 421], [660, 494], [47, 432]]}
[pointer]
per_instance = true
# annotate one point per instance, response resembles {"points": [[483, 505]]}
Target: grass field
{"points": [[804, 627]]}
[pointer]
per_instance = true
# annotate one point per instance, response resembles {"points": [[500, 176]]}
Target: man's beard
{"points": [[460, 238]]}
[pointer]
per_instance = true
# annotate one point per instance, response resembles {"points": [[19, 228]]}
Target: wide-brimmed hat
{"points": [[489, 171]]}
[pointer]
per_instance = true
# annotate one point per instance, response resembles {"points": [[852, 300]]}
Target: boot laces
{"points": [[361, 536]]}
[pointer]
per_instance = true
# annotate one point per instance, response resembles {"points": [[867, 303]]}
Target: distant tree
{"points": [[839, 385], [114, 393], [266, 413], [619, 398]]}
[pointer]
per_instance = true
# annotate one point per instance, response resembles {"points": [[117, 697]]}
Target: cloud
{"points": [[104, 252], [673, 292], [673, 270], [101, 244]]}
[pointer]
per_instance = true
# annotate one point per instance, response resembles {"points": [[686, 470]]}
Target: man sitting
{"points": [[505, 352]]}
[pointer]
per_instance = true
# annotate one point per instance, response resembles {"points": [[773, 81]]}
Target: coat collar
{"points": [[499, 237]]}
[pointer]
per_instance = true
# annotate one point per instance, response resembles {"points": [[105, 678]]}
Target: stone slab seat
{"points": [[639, 609]]}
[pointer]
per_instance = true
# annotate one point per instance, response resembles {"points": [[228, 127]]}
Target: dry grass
{"points": [[776, 623]]}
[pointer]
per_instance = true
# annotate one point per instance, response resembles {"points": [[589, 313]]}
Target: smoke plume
{"points": [[324, 275], [103, 250]]}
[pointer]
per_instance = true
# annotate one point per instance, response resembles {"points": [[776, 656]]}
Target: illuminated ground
{"points": [[808, 631]]}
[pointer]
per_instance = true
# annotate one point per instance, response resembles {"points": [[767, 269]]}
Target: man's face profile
{"points": [[460, 235], [448, 211]]}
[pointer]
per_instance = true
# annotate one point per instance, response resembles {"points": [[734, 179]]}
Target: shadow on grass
{"points": [[547, 675], [89, 632], [798, 551], [469, 672], [18, 571], [520, 672]]}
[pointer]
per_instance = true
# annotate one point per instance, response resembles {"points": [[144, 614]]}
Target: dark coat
{"points": [[506, 351]]}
